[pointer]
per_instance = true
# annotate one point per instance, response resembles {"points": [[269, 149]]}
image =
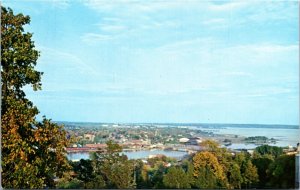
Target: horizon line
{"points": [[98, 122]]}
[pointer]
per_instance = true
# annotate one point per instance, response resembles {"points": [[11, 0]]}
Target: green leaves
{"points": [[282, 172], [274, 151], [32, 152], [176, 178], [116, 170], [18, 56]]}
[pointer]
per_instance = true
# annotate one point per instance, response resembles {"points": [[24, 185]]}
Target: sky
{"points": [[191, 61]]}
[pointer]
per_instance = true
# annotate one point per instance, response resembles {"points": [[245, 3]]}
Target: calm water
{"points": [[133, 155], [285, 136]]}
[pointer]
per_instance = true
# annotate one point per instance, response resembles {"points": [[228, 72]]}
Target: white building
{"points": [[191, 141], [183, 140]]}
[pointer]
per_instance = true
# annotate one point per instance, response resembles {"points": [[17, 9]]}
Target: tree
{"points": [[67, 181], [282, 172], [210, 145], [222, 154], [247, 170], [157, 175], [141, 175], [271, 150], [262, 164], [115, 168], [224, 158], [249, 173], [33, 153], [208, 171], [235, 176], [189, 170], [176, 178], [84, 170]]}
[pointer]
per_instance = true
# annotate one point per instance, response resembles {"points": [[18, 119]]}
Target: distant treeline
{"points": [[259, 139], [205, 125]]}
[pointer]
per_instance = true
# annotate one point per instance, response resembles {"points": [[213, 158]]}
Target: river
{"points": [[134, 154]]}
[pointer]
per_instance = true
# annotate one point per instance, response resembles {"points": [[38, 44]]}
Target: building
{"points": [[156, 156], [96, 146], [191, 141], [194, 141], [183, 140], [90, 137]]}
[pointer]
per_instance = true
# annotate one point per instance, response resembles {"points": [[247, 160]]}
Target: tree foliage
{"points": [[208, 170], [271, 150], [235, 177], [33, 152], [282, 172], [176, 178], [115, 168], [262, 164]]}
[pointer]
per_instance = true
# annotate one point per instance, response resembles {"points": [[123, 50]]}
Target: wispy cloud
{"points": [[135, 5], [214, 21], [112, 28], [188, 46], [238, 74], [217, 55], [60, 4], [269, 92], [68, 60], [91, 38], [228, 6]]}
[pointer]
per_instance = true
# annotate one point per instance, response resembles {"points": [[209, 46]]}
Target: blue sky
{"points": [[166, 61]]}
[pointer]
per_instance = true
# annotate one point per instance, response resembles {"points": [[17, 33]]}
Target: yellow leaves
{"points": [[210, 145], [204, 160], [13, 131], [23, 155], [37, 136]]}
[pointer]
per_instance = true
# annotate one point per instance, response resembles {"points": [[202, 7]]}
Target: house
{"points": [[90, 137]]}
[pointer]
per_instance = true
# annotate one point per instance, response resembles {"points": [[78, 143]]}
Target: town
{"points": [[137, 137]]}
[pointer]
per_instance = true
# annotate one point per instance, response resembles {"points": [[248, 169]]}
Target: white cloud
{"points": [[238, 73], [228, 6], [269, 92], [189, 45], [68, 60], [138, 6], [91, 38], [274, 48], [214, 21], [61, 4], [111, 28]]}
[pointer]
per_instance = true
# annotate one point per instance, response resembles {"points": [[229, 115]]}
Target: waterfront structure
{"points": [[156, 156], [98, 146], [191, 141], [183, 140], [194, 141]]}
